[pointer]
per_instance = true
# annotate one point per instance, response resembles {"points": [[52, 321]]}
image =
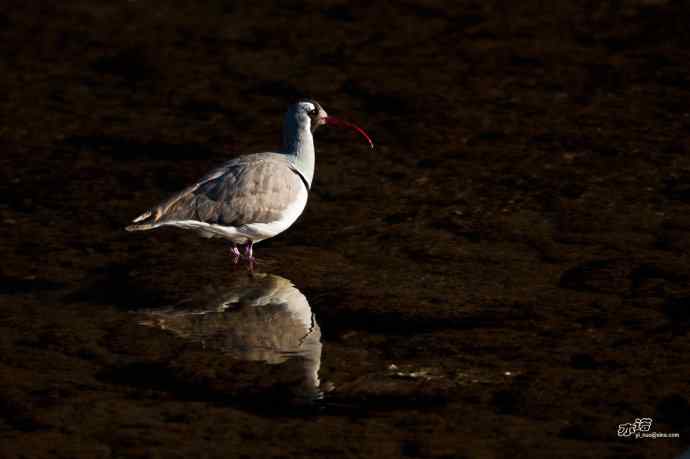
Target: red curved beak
{"points": [[333, 121]]}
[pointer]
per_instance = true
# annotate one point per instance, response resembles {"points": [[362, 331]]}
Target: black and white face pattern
{"points": [[316, 114]]}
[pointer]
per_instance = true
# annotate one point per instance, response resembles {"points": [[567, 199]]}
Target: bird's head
{"points": [[310, 115]]}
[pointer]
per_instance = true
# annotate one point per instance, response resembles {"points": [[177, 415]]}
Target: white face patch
{"points": [[308, 106]]}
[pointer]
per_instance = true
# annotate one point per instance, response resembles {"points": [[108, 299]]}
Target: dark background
{"points": [[526, 210]]}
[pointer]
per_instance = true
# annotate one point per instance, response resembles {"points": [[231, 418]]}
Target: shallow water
{"points": [[505, 275], [257, 318]]}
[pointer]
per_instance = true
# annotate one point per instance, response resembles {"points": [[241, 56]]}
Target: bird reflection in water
{"points": [[259, 318]]}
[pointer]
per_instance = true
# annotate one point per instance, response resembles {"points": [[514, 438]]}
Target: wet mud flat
{"points": [[505, 275]]}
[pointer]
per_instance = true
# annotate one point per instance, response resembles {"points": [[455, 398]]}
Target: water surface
{"points": [[505, 275]]}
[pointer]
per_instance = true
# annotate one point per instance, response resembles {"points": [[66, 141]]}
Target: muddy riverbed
{"points": [[505, 275]]}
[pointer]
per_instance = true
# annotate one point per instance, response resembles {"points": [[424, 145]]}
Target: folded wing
{"points": [[251, 189]]}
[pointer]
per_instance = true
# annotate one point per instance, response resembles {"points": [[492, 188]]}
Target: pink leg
{"points": [[235, 254], [249, 250], [249, 255]]}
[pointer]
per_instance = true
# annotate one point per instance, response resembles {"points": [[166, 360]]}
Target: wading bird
{"points": [[252, 197]]}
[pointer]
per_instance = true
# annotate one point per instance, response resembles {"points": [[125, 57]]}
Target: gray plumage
{"points": [[253, 197], [250, 198], [255, 188]]}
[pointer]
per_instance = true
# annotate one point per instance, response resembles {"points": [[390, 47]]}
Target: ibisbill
{"points": [[252, 197]]}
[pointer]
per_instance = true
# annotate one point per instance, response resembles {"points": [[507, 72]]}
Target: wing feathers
{"points": [[250, 189]]}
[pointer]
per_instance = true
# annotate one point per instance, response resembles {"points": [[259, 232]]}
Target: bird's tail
{"points": [[144, 227], [142, 224]]}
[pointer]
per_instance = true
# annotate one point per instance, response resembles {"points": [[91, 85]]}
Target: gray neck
{"points": [[298, 145]]}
